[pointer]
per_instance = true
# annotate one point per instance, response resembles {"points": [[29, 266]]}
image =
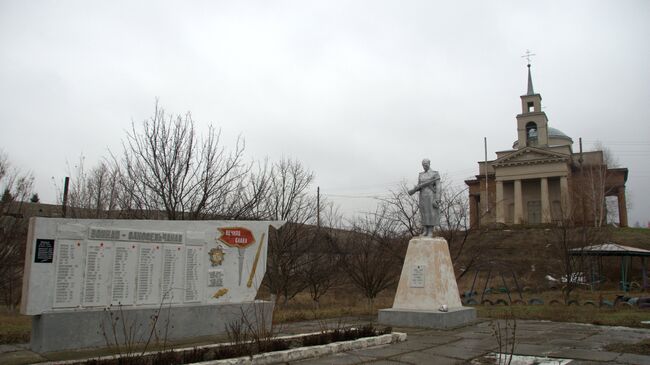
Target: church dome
{"points": [[557, 138], [556, 133]]}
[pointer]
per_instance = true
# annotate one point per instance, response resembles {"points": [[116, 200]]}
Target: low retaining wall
{"points": [[65, 330]]}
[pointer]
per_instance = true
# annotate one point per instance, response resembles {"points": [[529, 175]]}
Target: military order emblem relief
{"points": [[216, 256]]}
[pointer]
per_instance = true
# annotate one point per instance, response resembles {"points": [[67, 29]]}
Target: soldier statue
{"points": [[429, 188]]}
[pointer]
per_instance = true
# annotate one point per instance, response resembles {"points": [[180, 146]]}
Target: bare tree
{"points": [[454, 227], [247, 200], [593, 187], [322, 270], [289, 199], [372, 254], [167, 166], [567, 240], [403, 210], [17, 188], [93, 193]]}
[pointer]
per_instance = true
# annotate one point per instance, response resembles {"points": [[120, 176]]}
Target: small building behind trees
{"points": [[541, 180]]}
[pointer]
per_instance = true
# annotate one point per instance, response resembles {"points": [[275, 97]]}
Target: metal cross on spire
{"points": [[528, 55]]}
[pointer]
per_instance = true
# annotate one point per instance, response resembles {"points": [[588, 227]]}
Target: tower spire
{"points": [[527, 56], [530, 83]]}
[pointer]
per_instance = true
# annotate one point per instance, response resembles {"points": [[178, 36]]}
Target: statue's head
{"points": [[426, 164]]}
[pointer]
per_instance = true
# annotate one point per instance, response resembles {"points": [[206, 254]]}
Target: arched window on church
{"points": [[531, 134]]}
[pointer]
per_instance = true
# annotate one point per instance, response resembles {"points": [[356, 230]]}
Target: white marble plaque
{"points": [[68, 275], [193, 273], [417, 276], [172, 275], [125, 264], [149, 273], [97, 274], [91, 263]]}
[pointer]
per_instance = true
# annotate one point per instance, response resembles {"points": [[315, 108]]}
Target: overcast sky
{"points": [[359, 91]]}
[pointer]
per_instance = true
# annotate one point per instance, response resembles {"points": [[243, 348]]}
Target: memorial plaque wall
{"points": [[89, 264]]}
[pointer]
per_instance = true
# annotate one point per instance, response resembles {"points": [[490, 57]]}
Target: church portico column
{"points": [[519, 203], [501, 216], [546, 209], [622, 207], [564, 196]]}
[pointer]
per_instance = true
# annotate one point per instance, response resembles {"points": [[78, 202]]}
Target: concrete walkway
{"points": [[581, 342]]}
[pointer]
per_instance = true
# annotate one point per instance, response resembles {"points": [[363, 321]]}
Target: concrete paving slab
{"points": [[533, 338], [409, 346], [456, 352], [604, 339], [419, 358], [423, 332], [633, 359], [487, 344], [574, 344], [342, 358], [631, 336], [535, 349], [568, 335], [474, 335], [590, 355], [432, 340], [385, 362], [390, 350]]}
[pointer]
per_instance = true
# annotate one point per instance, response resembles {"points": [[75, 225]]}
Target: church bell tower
{"points": [[532, 123]]}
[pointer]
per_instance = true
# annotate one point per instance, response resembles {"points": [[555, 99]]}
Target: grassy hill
{"points": [[533, 253]]}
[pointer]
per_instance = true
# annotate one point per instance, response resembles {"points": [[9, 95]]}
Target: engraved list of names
{"points": [[149, 273], [124, 267], [97, 274], [68, 274]]}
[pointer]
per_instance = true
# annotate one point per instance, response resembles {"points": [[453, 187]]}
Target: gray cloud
{"points": [[359, 91]]}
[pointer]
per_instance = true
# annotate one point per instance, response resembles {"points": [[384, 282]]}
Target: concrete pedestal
{"points": [[65, 330], [425, 318], [427, 282]]}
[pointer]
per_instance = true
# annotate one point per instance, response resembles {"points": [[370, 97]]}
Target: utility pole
{"points": [[66, 183], [582, 177], [318, 207], [485, 166]]}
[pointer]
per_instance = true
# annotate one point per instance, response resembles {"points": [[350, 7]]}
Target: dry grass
{"points": [[618, 316], [600, 316], [14, 327], [343, 303], [580, 295], [338, 303]]}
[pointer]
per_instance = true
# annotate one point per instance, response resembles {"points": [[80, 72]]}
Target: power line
{"points": [[374, 196]]}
